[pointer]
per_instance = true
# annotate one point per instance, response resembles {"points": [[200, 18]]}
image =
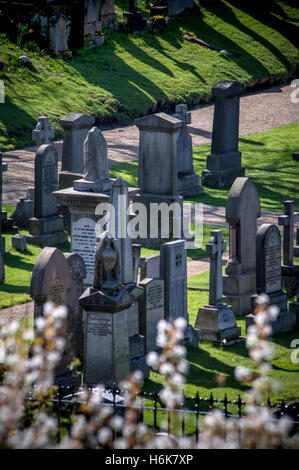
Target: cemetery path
{"points": [[259, 111], [16, 313]]}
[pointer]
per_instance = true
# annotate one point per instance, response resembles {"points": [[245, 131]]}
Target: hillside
{"points": [[133, 75]]}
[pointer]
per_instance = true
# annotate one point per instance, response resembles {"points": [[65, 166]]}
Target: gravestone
{"points": [[224, 162], [268, 278], [173, 271], [3, 167], [18, 241], [107, 305], [242, 211], [296, 247], [150, 267], [188, 181], [75, 128], [158, 149], [96, 176], [50, 281], [108, 15], [151, 310], [290, 271], [24, 210], [216, 321], [43, 133], [59, 32], [92, 25], [46, 227], [75, 326], [134, 18]]}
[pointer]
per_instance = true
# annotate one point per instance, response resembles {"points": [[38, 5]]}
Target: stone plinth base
{"points": [[216, 324], [221, 178], [67, 178], [285, 321], [93, 186], [188, 185], [237, 291], [290, 277], [46, 231]]}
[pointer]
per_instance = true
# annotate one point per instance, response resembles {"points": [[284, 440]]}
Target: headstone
{"points": [[3, 167], [24, 210], [150, 267], [173, 271], [59, 32], [96, 176], [107, 305], [83, 237], [50, 281], [134, 18], [75, 313], [151, 310], [216, 321], [296, 247], [224, 162], [43, 133], [108, 15], [75, 127], [92, 25], [46, 227], [268, 278], [188, 181], [242, 211], [290, 271], [18, 241], [175, 7], [158, 149]]}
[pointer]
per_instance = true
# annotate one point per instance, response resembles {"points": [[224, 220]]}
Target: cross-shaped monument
{"points": [[43, 133], [216, 321]]}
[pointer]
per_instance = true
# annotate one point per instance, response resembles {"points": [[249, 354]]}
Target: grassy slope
{"points": [[132, 73], [267, 157]]}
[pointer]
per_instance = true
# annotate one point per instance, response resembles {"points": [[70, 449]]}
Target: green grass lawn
{"points": [[132, 74], [267, 158]]}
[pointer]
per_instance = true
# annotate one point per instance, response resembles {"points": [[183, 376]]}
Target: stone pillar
{"points": [[224, 162], [216, 321], [158, 149], [75, 127]]}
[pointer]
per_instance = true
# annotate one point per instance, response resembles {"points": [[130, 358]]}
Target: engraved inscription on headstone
{"points": [[151, 310], [57, 290], [273, 263], [84, 243]]}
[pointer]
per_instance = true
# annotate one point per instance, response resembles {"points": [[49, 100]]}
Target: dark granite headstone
{"points": [[224, 162]]}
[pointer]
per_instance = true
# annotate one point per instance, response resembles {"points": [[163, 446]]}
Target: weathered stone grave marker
{"points": [[43, 133], [151, 310], [224, 162], [46, 227], [188, 181], [242, 211], [268, 278], [216, 321]]}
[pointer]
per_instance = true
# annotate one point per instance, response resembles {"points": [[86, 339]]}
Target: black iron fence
{"points": [[182, 421]]}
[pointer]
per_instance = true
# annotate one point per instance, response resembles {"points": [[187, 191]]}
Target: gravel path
{"points": [[259, 111]]}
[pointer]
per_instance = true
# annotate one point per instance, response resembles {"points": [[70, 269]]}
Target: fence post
{"points": [[196, 416]]}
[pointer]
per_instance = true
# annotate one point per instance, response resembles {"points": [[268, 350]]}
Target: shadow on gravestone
{"points": [[242, 211], [51, 280]]}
